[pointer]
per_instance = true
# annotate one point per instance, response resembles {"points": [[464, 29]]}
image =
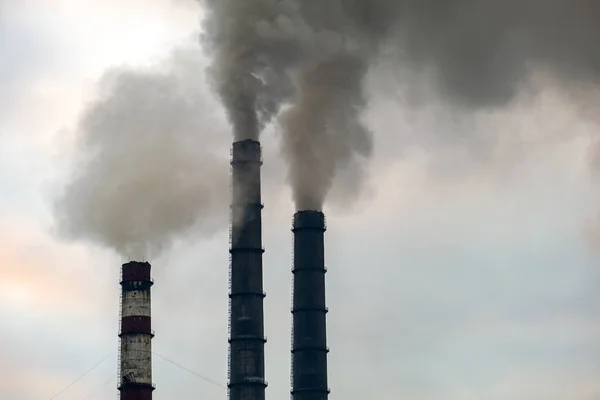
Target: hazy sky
{"points": [[463, 272]]}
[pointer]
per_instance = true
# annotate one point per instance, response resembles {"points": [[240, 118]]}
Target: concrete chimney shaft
{"points": [[246, 370], [135, 355], [309, 333]]}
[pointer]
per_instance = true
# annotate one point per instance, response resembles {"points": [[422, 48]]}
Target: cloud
{"points": [[51, 300], [32, 50], [39, 273], [459, 276]]}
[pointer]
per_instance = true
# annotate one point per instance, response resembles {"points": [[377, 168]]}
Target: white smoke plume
{"points": [[311, 56], [151, 161]]}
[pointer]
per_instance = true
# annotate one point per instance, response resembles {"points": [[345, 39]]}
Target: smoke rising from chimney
{"points": [[307, 57], [311, 57], [246, 68], [147, 169], [322, 131]]}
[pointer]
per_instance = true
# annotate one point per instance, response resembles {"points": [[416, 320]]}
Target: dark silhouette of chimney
{"points": [[309, 334], [246, 370], [135, 353]]}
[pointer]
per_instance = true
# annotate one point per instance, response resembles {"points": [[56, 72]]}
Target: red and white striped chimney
{"points": [[135, 355]]}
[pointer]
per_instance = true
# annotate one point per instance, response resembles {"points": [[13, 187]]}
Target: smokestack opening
{"points": [[135, 352], [309, 333], [309, 219]]}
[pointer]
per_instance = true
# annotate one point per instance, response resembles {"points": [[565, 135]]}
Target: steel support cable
{"points": [[204, 378], [95, 392], [80, 377]]}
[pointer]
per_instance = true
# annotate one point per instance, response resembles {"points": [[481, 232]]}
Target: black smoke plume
{"points": [[310, 58]]}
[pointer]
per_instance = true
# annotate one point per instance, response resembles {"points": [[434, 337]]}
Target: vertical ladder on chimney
{"points": [[229, 330], [292, 323], [120, 321], [229, 281]]}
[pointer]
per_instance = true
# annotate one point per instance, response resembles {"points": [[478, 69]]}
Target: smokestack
{"points": [[246, 375], [135, 355], [309, 334]]}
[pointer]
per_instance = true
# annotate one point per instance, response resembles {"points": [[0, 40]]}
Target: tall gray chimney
{"points": [[309, 333], [246, 375]]}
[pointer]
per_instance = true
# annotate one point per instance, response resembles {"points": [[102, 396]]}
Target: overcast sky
{"points": [[464, 270]]}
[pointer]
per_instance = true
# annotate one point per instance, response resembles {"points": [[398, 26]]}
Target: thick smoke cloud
{"points": [[311, 57], [322, 131], [152, 162], [308, 57], [246, 70], [481, 53]]}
